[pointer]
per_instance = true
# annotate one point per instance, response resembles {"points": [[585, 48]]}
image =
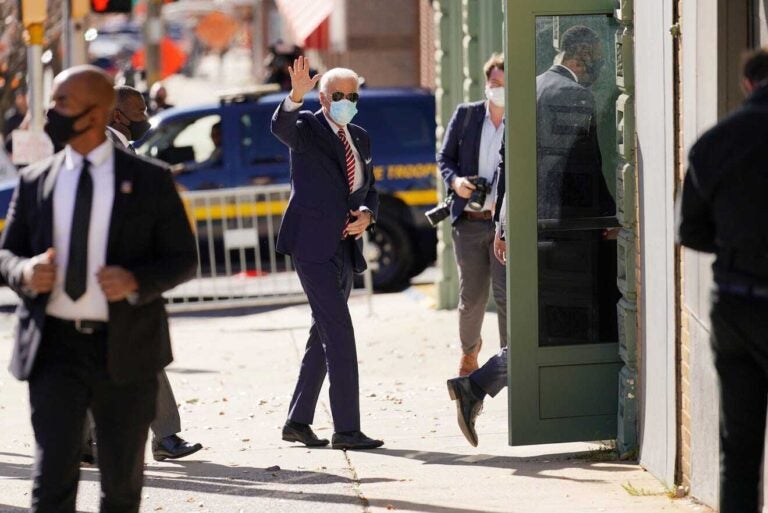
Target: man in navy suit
{"points": [[333, 201]]}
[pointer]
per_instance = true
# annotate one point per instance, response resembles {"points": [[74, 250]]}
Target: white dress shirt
{"points": [[120, 137], [489, 158], [290, 106], [93, 304], [575, 78]]}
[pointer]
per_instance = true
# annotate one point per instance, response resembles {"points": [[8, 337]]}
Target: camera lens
{"points": [[477, 200], [437, 214]]}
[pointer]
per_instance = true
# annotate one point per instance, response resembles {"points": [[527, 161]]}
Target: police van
{"points": [[229, 144]]}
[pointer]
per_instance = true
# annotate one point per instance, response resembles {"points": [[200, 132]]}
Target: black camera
{"points": [[482, 188], [441, 211]]}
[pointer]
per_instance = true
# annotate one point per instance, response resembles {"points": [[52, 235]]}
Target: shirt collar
{"points": [[123, 139], [488, 113], [569, 71], [333, 125], [97, 156]]}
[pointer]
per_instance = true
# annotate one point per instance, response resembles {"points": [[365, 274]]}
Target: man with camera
{"points": [[468, 162]]}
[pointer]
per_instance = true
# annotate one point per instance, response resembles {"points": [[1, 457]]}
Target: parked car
{"points": [[401, 124]]}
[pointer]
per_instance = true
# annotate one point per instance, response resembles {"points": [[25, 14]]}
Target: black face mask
{"points": [[61, 128], [593, 69], [137, 129]]}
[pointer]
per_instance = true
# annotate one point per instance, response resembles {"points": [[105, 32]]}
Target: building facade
{"points": [[676, 66]]}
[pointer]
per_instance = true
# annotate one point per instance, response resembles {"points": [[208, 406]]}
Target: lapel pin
{"points": [[126, 187]]}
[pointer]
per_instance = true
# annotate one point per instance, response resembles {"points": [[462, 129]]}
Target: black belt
{"points": [[740, 289], [483, 215], [84, 326]]}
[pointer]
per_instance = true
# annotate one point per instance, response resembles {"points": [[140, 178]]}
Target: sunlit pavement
{"points": [[233, 376]]}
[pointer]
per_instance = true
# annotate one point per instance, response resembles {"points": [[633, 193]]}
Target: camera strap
{"points": [[464, 125]]}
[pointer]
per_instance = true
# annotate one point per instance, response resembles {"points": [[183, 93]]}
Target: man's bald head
{"points": [[89, 83], [87, 93]]}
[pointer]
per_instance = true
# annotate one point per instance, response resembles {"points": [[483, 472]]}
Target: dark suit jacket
{"points": [[149, 235], [722, 198], [569, 162], [320, 197], [460, 153]]}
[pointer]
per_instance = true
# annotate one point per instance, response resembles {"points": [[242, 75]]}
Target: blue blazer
{"points": [[460, 153], [320, 199]]}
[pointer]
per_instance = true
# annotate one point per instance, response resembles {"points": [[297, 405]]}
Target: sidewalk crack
{"points": [[356, 485]]}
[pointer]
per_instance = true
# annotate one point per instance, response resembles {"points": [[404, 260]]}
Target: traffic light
{"points": [[111, 6]]}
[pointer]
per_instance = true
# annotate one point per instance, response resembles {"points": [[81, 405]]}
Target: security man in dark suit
{"points": [[128, 123], [722, 211], [94, 236], [471, 149], [333, 201]]}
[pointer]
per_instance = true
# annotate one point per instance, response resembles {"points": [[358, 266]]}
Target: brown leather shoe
{"points": [[468, 364]]}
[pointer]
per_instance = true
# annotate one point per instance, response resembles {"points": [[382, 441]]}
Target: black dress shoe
{"points": [[295, 432], [354, 441], [468, 406], [173, 447]]}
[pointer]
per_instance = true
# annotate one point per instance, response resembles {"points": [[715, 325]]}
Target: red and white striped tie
{"points": [[349, 158]]}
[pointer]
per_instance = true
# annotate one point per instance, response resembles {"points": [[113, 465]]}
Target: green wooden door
{"points": [[561, 153]]}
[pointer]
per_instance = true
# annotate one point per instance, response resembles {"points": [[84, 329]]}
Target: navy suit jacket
{"points": [[149, 234], [320, 198], [460, 153]]}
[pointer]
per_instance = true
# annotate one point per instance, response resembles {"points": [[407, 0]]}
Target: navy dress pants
{"points": [[331, 345], [492, 376]]}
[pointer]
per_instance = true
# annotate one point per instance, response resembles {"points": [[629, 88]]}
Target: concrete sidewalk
{"points": [[233, 377]]}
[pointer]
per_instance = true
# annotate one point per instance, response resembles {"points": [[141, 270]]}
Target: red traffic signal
{"points": [[111, 6]]}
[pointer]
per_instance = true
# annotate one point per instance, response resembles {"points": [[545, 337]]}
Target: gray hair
{"points": [[334, 74]]}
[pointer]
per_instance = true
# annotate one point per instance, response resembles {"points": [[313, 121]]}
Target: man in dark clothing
{"points": [[128, 123], [15, 117], [158, 97], [720, 212], [93, 237]]}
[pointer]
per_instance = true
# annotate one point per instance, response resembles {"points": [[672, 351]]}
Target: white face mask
{"points": [[495, 95]]}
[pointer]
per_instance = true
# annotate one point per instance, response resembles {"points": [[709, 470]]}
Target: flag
{"points": [[304, 16]]}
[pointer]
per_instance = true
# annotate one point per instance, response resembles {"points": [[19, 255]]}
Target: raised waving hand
{"points": [[301, 82]]}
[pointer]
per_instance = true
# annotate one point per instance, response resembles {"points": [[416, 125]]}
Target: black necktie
{"points": [[77, 262]]}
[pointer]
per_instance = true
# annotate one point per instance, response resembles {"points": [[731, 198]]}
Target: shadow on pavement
{"points": [[249, 482], [206, 476], [522, 466]]}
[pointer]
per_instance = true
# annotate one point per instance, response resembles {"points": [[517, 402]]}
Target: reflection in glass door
{"points": [[575, 166]]}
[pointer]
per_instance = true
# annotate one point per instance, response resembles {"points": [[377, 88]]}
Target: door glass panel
{"points": [[576, 161]]}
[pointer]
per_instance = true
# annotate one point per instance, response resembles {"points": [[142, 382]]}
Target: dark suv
{"points": [[401, 124]]}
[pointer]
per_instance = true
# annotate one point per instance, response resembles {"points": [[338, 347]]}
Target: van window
{"points": [[258, 145], [184, 140]]}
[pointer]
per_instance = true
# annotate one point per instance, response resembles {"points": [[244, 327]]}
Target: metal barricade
{"points": [[236, 231]]}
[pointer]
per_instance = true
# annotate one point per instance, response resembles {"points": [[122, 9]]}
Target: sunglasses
{"points": [[338, 96]]}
